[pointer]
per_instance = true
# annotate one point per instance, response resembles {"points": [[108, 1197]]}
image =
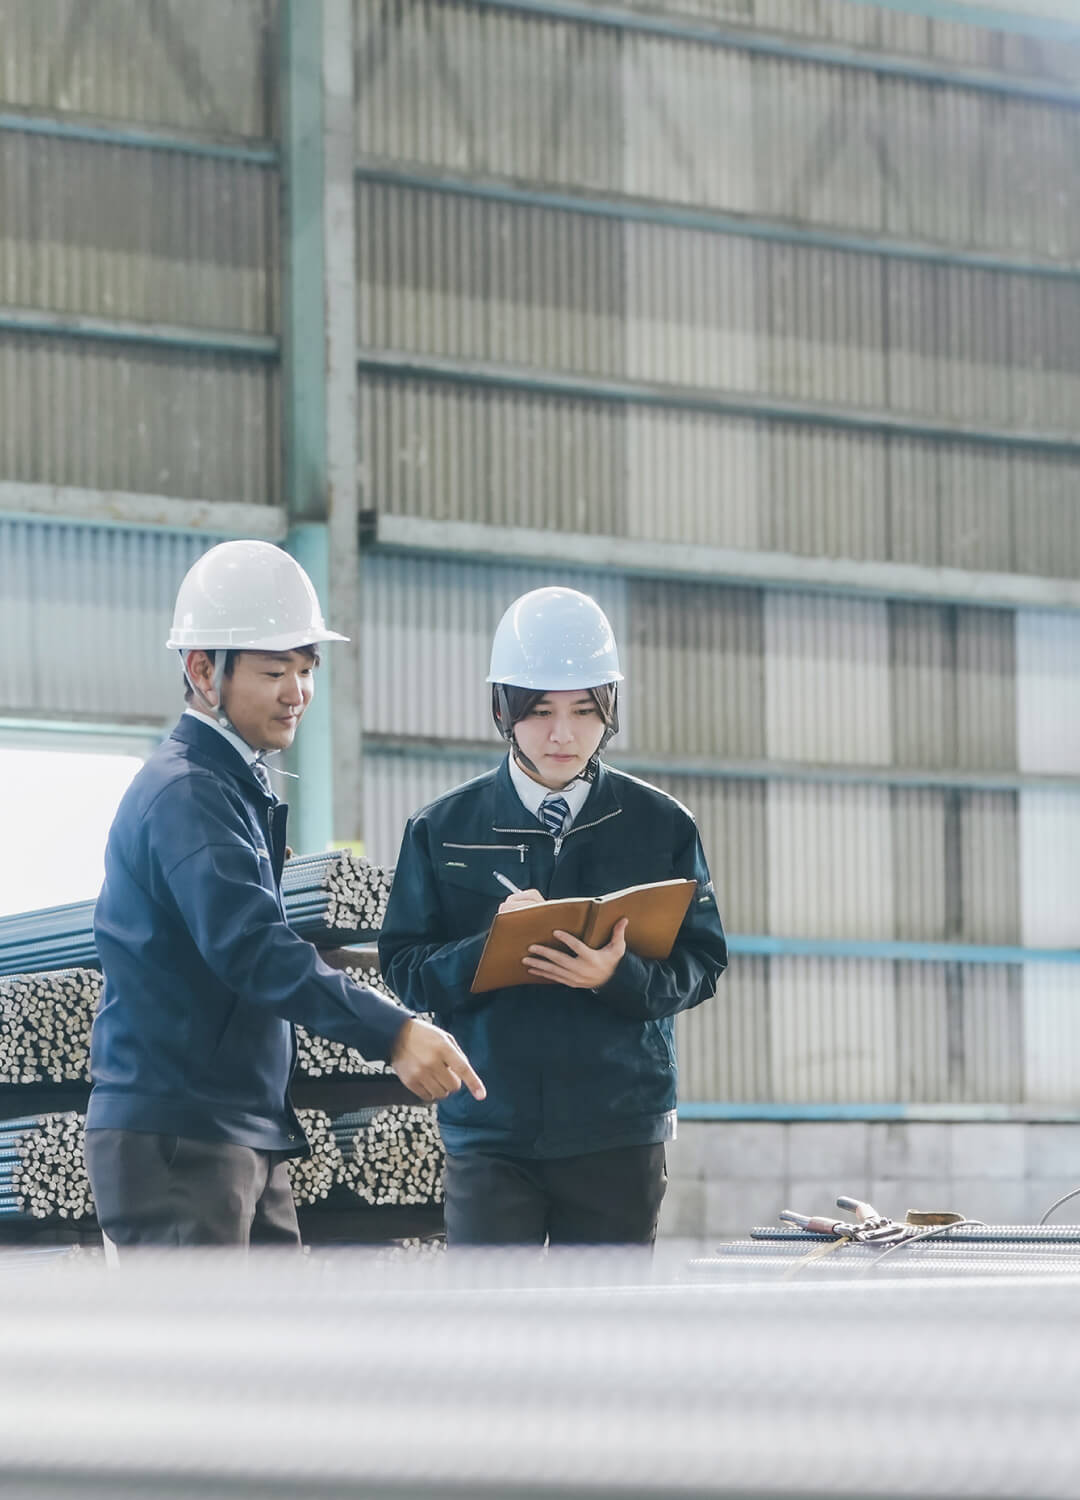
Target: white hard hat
{"points": [[247, 596], [554, 639]]}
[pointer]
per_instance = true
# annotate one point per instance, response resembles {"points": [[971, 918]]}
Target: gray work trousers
{"points": [[173, 1190]]}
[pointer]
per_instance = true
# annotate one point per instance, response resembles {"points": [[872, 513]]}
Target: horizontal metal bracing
{"points": [[218, 519], [944, 1113], [139, 137], [672, 215], [761, 945], [719, 565], [484, 374], [710, 769], [673, 28], [1054, 20], [158, 335]]}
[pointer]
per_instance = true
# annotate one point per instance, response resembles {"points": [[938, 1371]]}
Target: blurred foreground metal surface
{"points": [[348, 1374]]}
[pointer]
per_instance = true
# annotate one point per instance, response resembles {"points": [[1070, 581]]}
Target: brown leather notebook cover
{"points": [[655, 912]]}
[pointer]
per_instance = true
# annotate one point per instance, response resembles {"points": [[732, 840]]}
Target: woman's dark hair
{"points": [[521, 701]]}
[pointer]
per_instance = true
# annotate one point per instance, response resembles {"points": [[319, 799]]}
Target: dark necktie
{"points": [[262, 777], [553, 813]]}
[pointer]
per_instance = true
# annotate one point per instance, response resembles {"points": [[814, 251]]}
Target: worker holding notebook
{"points": [[555, 915]]}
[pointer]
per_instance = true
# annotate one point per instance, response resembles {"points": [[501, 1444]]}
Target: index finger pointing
{"points": [[471, 1080]]}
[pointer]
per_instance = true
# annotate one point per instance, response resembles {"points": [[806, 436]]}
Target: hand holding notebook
{"points": [[654, 912]]}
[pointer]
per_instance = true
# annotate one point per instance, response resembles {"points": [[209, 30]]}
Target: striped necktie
{"points": [[263, 778], [553, 813]]}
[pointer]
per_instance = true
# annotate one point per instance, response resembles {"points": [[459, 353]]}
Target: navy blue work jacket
{"points": [[567, 1071], [203, 977]]}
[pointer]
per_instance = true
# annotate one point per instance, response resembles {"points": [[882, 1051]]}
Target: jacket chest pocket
{"points": [[468, 874]]}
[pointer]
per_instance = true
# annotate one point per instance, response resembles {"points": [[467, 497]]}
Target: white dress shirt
{"points": [[532, 793], [250, 755]]}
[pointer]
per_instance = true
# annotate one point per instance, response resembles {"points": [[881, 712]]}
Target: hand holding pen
{"points": [[517, 897]]}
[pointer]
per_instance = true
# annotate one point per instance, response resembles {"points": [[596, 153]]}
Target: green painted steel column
{"points": [[304, 320], [303, 391], [311, 826], [319, 397]]}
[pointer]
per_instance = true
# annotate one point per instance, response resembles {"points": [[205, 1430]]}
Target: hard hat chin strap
{"points": [[215, 710]]}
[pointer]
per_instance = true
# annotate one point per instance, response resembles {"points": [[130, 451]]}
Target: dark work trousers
{"points": [[155, 1190], [600, 1198]]}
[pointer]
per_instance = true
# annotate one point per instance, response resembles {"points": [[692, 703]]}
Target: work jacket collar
{"points": [[509, 815], [215, 748]]}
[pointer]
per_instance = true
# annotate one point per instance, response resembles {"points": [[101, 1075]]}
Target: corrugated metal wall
{"points": [[131, 235], [598, 111], [464, 110], [85, 613], [203, 65]]}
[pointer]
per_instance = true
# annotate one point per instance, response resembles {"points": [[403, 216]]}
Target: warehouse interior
{"points": [[756, 320]]}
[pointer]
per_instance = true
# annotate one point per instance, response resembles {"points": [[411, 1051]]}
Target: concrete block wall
{"points": [[726, 1177]]}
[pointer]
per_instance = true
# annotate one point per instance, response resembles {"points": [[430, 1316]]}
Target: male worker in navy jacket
{"points": [[568, 1145], [189, 1124]]}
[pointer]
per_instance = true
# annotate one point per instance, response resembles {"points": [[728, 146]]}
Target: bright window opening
{"points": [[58, 806]]}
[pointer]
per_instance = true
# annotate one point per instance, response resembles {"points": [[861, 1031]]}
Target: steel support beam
{"points": [[765, 945], [1050, 20], [319, 354], [760, 407], [710, 768], [710, 221], [789, 49], [138, 137], [342, 457], [947, 1114], [132, 512], [27, 320], [303, 389], [471, 540]]}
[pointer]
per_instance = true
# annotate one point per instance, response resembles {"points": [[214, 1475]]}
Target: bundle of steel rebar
{"points": [[328, 898], [337, 892], [42, 1169], [313, 1176], [45, 1026], [56, 937], [391, 1155], [319, 1057]]}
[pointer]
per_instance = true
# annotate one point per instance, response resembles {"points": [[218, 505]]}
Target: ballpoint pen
{"points": [[508, 883]]}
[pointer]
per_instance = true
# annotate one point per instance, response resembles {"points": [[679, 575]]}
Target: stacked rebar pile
{"points": [[45, 1026], [319, 1057], [391, 1156], [335, 893], [56, 937], [42, 1169], [312, 1177], [45, 1022]]}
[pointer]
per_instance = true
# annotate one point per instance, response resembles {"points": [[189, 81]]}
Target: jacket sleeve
{"points": [[647, 989], [210, 871], [423, 964]]}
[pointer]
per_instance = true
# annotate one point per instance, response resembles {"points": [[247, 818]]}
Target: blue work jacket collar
{"points": [[215, 748]]}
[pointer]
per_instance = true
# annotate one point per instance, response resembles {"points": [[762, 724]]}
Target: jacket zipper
{"points": [[560, 839], [522, 849]]}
